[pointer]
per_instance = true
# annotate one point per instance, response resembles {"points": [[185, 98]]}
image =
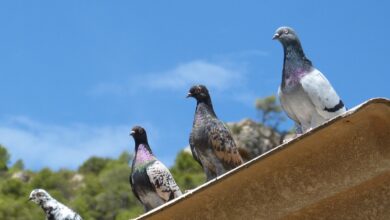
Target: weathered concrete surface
{"points": [[340, 170]]}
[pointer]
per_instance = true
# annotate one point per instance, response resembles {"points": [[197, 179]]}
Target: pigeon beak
{"points": [[276, 36], [189, 95], [132, 133], [29, 199]]}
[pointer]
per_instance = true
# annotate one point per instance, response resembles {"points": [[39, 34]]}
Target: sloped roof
{"points": [[339, 170]]}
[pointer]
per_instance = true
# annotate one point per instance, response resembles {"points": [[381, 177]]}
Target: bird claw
{"points": [[291, 138], [188, 191]]}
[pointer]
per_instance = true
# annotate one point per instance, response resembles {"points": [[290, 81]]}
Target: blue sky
{"points": [[77, 75]]}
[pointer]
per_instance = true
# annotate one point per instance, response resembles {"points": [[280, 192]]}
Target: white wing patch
{"points": [[321, 93], [62, 212], [163, 181]]}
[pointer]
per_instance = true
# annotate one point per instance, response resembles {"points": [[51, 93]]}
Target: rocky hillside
{"points": [[253, 139]]}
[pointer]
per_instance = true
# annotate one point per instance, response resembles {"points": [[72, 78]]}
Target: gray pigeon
{"points": [[211, 142], [305, 94], [150, 180], [54, 210]]}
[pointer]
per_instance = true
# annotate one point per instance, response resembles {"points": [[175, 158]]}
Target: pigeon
{"points": [[54, 210], [211, 142], [305, 94], [150, 180]]}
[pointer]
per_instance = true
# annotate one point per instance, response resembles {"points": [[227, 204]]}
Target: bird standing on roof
{"points": [[150, 180], [54, 210], [211, 142], [305, 94]]}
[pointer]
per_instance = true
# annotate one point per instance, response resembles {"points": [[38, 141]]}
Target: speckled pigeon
{"points": [[305, 94], [53, 209], [150, 180], [211, 142]]}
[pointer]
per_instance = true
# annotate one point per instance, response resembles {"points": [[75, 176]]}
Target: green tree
{"points": [[125, 157], [19, 209], [13, 188], [4, 158], [99, 190], [107, 193], [93, 165], [187, 172], [271, 113], [18, 165]]}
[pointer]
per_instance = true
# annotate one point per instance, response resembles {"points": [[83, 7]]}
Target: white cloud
{"points": [[245, 97], [224, 74], [42, 145], [216, 76]]}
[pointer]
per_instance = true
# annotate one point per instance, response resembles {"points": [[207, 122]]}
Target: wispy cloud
{"points": [[223, 74], [217, 76], [245, 97], [44, 145]]}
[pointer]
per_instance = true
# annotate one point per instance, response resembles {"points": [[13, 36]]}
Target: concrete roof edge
{"points": [[248, 164]]}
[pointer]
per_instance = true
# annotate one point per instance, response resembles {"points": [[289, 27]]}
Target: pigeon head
{"points": [[39, 196], [285, 35], [139, 134], [199, 92]]}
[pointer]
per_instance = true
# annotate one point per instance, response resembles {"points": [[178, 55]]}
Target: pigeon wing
{"points": [[322, 94], [77, 217], [193, 150], [223, 144], [163, 181], [133, 189], [61, 211]]}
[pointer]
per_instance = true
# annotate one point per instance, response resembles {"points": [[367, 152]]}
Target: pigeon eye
{"points": [[285, 31]]}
